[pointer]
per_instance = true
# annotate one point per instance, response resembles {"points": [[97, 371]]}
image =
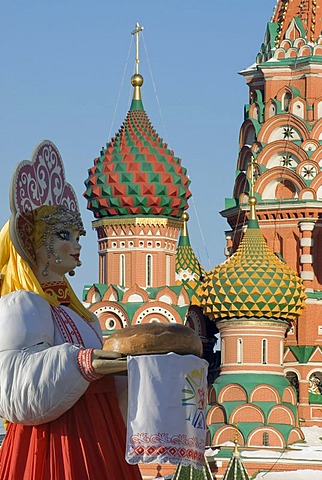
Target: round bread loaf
{"points": [[155, 338]]}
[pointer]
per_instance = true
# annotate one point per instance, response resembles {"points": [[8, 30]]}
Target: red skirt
{"points": [[85, 443]]}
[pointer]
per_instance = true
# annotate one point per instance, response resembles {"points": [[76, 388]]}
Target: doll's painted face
{"points": [[56, 242], [59, 254]]}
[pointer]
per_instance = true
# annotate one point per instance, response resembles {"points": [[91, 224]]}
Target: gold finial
{"points": [[185, 218], [137, 79], [236, 451], [252, 199]]}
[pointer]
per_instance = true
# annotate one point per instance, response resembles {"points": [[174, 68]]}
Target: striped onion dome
{"points": [[137, 174], [189, 271], [253, 282]]}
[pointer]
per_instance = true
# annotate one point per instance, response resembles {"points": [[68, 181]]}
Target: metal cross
{"points": [[136, 32]]}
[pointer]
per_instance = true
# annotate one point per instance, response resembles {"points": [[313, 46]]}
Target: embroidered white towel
{"points": [[166, 412]]}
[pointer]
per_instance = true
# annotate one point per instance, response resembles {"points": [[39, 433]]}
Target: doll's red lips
{"points": [[76, 256]]}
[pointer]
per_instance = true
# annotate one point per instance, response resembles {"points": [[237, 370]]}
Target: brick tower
{"points": [[282, 132], [138, 192]]}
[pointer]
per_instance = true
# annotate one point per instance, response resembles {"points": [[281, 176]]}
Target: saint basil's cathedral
{"points": [[264, 303]]}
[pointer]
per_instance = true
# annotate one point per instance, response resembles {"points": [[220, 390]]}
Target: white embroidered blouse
{"points": [[45, 358]]}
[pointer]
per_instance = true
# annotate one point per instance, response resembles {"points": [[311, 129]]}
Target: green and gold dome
{"points": [[189, 271], [253, 282]]}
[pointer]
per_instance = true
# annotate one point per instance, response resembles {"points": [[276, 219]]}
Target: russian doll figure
{"points": [[57, 388]]}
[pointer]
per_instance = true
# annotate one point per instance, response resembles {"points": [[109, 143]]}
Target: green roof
{"points": [[284, 429], [250, 380], [214, 427], [246, 428], [315, 398], [190, 473], [302, 354]]}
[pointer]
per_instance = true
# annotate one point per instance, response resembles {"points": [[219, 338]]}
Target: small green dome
{"points": [[189, 271]]}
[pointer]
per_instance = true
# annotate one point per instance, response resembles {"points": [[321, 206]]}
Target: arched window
{"points": [[294, 381], [122, 270], [298, 109], [255, 114], [265, 439], [272, 110], [149, 270], [264, 351], [240, 350], [286, 101], [103, 268]]}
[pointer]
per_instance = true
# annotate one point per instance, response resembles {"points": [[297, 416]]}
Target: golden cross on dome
{"points": [[138, 29]]}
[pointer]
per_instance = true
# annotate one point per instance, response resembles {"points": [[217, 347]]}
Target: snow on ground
{"points": [[313, 435], [305, 453], [295, 475]]}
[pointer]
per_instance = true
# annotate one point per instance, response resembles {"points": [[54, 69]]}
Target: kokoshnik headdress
{"points": [[36, 183]]}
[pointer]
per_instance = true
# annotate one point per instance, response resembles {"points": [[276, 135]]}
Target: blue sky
{"points": [[64, 76]]}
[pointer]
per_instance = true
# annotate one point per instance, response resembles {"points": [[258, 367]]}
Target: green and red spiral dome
{"points": [[136, 174]]}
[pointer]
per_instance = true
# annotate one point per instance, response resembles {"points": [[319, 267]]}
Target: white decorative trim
{"points": [[115, 310], [254, 372], [156, 310], [306, 226], [313, 301], [307, 242], [84, 360], [308, 259], [307, 275]]}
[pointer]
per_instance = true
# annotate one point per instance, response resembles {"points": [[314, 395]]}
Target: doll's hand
{"points": [[105, 362]]}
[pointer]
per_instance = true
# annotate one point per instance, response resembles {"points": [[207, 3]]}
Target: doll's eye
{"points": [[64, 235]]}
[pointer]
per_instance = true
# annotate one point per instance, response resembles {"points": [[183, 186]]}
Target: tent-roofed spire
{"points": [[184, 237], [308, 11], [190, 473], [236, 469]]}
